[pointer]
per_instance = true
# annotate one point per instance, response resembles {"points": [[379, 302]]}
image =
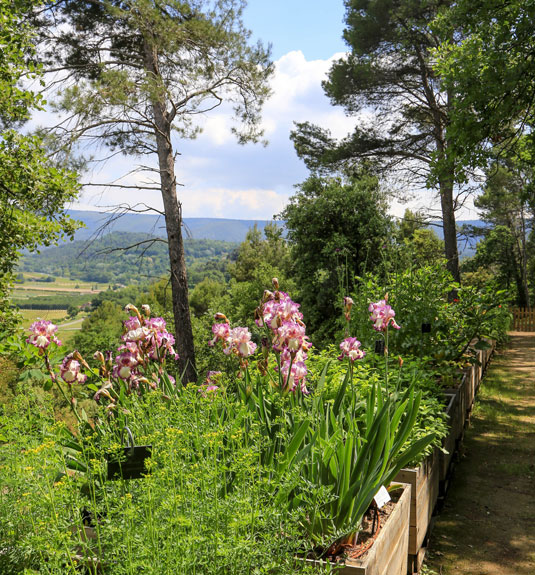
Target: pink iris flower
{"points": [[382, 315], [221, 333], [350, 348], [70, 370], [239, 340], [43, 334]]}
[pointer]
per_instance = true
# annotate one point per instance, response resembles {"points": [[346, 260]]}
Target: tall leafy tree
{"points": [[141, 70], [387, 82], [33, 188], [337, 227], [489, 66], [505, 205]]}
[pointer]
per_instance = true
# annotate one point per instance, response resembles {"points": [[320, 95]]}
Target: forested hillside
{"points": [[220, 229], [127, 258]]}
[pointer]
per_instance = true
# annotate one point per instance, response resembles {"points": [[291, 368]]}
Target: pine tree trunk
{"points": [[173, 223], [450, 228], [445, 182]]}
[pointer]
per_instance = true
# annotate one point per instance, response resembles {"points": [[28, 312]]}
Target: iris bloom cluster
{"points": [[382, 315], [146, 343], [350, 348], [43, 334], [284, 322], [235, 341]]}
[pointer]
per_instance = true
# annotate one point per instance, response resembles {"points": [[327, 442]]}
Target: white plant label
{"points": [[381, 497]]}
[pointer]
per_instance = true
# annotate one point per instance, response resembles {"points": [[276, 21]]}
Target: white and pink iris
{"points": [[235, 341], [350, 348], [150, 335], [221, 332], [70, 370], [124, 365], [43, 334], [239, 342], [278, 310], [290, 335], [295, 376], [382, 315]]}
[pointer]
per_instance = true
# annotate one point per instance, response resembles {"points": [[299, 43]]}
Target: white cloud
{"points": [[218, 177], [232, 203]]}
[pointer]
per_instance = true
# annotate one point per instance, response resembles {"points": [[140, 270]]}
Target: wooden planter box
{"points": [[424, 482], [470, 388], [483, 357], [449, 443], [388, 555], [466, 390], [457, 411]]}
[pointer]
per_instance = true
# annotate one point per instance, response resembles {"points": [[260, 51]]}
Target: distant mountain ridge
{"points": [[221, 229]]}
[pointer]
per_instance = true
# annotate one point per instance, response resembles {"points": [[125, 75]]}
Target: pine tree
{"points": [[137, 71], [388, 76]]}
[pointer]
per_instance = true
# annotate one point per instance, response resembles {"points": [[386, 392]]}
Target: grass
{"points": [[31, 315], [486, 526]]}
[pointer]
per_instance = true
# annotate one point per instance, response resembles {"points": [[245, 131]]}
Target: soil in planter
{"points": [[366, 536]]}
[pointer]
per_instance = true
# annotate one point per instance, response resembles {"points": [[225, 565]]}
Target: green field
{"points": [[54, 295], [49, 301], [31, 315]]}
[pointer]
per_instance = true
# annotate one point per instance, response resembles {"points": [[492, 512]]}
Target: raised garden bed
{"points": [[456, 411], [424, 482], [388, 554], [449, 443]]}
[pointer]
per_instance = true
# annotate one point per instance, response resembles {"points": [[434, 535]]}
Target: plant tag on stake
{"points": [[381, 497]]}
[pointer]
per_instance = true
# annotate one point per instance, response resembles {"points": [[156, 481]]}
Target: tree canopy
{"points": [[488, 65], [337, 227], [33, 188], [388, 84]]}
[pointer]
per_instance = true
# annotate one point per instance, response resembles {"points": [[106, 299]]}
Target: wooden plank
{"points": [[449, 442], [416, 561], [424, 481]]}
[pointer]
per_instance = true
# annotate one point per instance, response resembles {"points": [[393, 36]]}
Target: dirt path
{"points": [[487, 525]]}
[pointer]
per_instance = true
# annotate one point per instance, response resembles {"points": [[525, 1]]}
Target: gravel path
{"points": [[487, 525]]}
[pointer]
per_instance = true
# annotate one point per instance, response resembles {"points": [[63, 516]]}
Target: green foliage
{"points": [[485, 69], [336, 227], [205, 296], [270, 250], [100, 330], [183, 517], [423, 295], [33, 190], [57, 300], [506, 205], [344, 451]]}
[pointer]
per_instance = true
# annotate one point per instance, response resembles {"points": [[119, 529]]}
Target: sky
{"points": [[218, 177]]}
